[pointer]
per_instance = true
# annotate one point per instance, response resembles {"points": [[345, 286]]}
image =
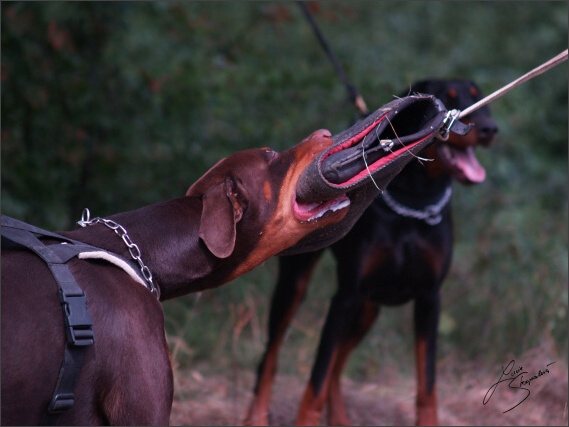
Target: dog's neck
{"points": [[416, 187], [167, 235]]}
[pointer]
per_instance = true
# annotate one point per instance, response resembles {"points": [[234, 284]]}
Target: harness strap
{"points": [[66, 251], [63, 396], [76, 316]]}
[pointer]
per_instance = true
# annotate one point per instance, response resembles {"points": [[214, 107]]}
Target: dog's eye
{"points": [[473, 91], [452, 93]]}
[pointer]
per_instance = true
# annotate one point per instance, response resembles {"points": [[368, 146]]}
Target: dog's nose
{"points": [[486, 131]]}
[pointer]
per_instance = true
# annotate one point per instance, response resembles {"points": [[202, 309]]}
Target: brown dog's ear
{"points": [[220, 213]]}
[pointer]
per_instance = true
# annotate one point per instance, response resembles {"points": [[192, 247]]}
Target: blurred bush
{"points": [[115, 105]]}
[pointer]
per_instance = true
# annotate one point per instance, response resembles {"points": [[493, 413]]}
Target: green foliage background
{"points": [[113, 105]]}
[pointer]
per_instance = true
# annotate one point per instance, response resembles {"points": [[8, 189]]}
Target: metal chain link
{"points": [[133, 248], [431, 214]]}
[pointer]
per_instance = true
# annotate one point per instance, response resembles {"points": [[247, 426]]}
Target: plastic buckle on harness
{"points": [[61, 403], [78, 322]]}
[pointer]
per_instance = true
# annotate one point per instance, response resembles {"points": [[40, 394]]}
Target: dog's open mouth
{"points": [[375, 149], [462, 163], [312, 211]]}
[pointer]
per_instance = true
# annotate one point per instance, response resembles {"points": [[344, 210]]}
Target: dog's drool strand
{"points": [[387, 145], [399, 140], [367, 167], [383, 142]]}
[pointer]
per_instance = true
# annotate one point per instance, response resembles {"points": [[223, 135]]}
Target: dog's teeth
{"points": [[333, 208], [340, 205], [313, 211]]}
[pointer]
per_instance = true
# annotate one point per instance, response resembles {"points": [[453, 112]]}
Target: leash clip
{"points": [[445, 130]]}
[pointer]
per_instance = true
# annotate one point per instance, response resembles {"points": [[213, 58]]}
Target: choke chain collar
{"points": [[133, 248], [431, 214]]}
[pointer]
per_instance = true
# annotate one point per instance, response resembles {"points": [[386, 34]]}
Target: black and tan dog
{"points": [[399, 251], [241, 212]]}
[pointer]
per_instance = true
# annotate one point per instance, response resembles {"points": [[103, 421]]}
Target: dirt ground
{"points": [[389, 398]]}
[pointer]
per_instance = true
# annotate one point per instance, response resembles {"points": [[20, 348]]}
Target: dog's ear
{"points": [[220, 213]]}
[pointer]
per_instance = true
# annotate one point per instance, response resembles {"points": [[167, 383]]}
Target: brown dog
{"points": [[243, 211]]}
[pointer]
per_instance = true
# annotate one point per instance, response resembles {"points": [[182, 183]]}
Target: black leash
{"points": [[355, 97], [358, 100]]}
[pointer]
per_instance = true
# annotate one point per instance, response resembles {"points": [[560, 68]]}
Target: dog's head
{"points": [[456, 156], [250, 209]]}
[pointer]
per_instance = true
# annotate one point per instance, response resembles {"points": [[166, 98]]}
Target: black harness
{"points": [[77, 319]]}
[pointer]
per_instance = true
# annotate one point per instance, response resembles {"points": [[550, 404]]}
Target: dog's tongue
{"points": [[467, 164]]}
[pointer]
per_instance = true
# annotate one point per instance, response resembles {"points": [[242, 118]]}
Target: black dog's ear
{"points": [[220, 213]]}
